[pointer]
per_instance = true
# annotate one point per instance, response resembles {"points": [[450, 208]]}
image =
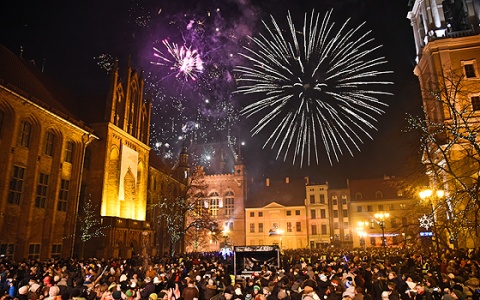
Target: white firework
{"points": [[319, 84]]}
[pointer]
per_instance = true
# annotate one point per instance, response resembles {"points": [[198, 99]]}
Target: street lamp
{"points": [[381, 218], [431, 196]]}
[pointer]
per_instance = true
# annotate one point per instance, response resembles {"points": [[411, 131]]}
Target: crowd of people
{"points": [[328, 274]]}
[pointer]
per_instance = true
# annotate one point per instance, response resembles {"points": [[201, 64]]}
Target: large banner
{"points": [[128, 168]]}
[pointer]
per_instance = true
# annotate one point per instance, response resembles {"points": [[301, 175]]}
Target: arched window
{"points": [[214, 204], [358, 196], [229, 203], [378, 195], [25, 134], [69, 147], [49, 143]]}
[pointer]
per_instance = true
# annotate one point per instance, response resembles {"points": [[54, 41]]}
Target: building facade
{"points": [[42, 151], [446, 35], [372, 198]]}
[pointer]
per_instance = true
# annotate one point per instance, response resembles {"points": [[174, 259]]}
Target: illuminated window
{"points": [[289, 226], [69, 156], [213, 204], [63, 195], [229, 203], [16, 185], [42, 188], [25, 134], [49, 143]]}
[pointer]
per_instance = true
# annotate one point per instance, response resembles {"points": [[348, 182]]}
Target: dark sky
{"points": [[63, 37]]}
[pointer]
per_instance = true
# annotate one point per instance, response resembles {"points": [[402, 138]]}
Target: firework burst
{"points": [[317, 86], [181, 59]]}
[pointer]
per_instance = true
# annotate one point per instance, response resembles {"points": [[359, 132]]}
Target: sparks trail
{"points": [[317, 83], [182, 60]]}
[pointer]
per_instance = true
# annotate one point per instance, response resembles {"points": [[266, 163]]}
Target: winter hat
{"points": [[53, 291], [153, 296], [23, 290], [34, 287], [308, 289], [129, 293], [117, 295], [256, 287]]}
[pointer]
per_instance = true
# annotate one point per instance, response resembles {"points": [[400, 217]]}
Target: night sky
{"points": [[67, 39]]}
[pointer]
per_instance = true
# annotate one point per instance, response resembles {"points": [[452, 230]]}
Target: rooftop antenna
{"points": [[43, 64], [21, 52]]}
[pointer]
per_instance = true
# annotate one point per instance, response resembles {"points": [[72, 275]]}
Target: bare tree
{"points": [[185, 213], [449, 141], [89, 222]]}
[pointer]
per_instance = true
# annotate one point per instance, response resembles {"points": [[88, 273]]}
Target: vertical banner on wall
{"points": [[128, 169]]}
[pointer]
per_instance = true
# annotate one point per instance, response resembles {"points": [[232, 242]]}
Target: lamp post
{"points": [[431, 196], [280, 232], [381, 219]]}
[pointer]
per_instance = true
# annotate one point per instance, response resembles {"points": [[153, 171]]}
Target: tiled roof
{"points": [[279, 191], [369, 187], [23, 78]]}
